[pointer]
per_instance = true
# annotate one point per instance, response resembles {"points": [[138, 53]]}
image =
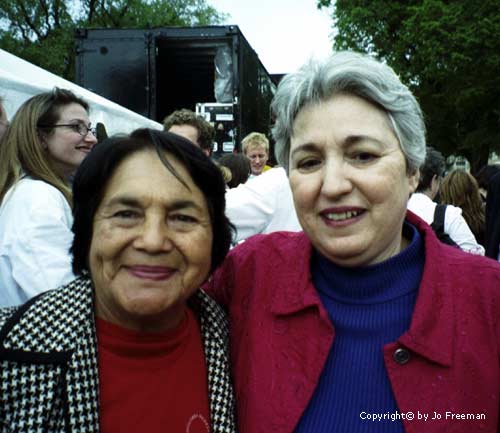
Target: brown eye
{"points": [[308, 164], [125, 214], [364, 157]]}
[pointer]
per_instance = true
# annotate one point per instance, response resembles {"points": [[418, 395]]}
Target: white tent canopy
{"points": [[20, 80]]}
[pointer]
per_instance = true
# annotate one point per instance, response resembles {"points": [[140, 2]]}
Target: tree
{"points": [[447, 52], [42, 31]]}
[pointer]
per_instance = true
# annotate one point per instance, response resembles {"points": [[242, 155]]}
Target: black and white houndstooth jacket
{"points": [[48, 363]]}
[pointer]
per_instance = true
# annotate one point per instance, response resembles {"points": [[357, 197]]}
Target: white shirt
{"points": [[454, 223], [35, 238], [263, 204]]}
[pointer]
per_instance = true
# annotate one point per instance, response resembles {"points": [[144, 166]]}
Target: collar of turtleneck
{"points": [[378, 283]]}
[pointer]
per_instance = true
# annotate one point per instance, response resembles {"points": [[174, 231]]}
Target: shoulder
{"points": [[453, 211], [272, 178], [422, 206], [208, 307], [6, 314], [276, 243], [34, 192], [277, 251], [53, 319]]}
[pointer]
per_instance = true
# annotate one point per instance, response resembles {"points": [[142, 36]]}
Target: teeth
{"points": [[341, 216]]}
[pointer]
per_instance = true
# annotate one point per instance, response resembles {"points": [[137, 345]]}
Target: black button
{"points": [[401, 356]]}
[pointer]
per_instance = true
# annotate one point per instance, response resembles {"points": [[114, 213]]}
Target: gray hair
{"points": [[357, 74]]}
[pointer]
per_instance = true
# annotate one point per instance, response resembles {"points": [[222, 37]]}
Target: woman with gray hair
{"points": [[365, 322]]}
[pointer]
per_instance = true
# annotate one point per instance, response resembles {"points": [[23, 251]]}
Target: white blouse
{"points": [[35, 238]]}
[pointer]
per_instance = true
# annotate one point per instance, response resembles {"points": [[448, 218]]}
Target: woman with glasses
{"points": [[48, 138]]}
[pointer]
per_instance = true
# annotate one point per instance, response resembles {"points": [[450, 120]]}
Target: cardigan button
{"points": [[401, 356]]}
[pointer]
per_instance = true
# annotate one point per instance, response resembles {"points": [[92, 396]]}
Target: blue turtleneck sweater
{"points": [[369, 307]]}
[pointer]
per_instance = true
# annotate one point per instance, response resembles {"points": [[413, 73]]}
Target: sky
{"points": [[283, 33]]}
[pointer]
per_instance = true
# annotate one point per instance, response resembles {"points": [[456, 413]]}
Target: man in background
{"points": [[255, 147], [189, 125]]}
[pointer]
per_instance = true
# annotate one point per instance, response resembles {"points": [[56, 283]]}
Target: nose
{"points": [[337, 178], [154, 236], [90, 137]]}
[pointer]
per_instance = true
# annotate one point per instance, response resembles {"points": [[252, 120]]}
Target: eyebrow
{"points": [[125, 200], [77, 120], [348, 141], [306, 147]]}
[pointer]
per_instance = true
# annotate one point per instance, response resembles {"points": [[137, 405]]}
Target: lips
{"points": [[85, 149], [341, 216], [154, 273]]}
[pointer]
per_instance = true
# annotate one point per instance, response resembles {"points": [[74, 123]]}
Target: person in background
{"points": [[262, 205], [239, 165], [195, 128], [4, 122], [460, 189], [493, 218], [364, 312], [483, 177], [132, 344], [49, 137], [422, 203], [255, 146]]}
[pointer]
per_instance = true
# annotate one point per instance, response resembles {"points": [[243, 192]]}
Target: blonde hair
{"points": [[254, 139], [21, 151], [461, 189]]}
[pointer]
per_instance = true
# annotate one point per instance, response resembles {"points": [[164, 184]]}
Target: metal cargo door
{"points": [[116, 65]]}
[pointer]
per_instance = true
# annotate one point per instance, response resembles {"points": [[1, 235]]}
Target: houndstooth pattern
{"points": [[48, 363], [216, 345]]}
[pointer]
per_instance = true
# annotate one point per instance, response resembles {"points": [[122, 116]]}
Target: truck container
{"points": [[212, 70]]}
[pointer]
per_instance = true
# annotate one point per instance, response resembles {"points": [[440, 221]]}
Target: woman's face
{"points": [[65, 146], [349, 181], [151, 244]]}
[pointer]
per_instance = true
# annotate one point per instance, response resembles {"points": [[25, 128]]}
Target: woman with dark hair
{"points": [[484, 176], [48, 138], [239, 165], [132, 344]]}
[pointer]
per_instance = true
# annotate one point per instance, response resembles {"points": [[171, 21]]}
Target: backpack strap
{"points": [[438, 223]]}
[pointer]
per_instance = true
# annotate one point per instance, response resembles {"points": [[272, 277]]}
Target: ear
{"points": [[435, 183], [42, 137], [413, 180]]}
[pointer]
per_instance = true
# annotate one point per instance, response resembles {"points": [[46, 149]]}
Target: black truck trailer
{"points": [[212, 70]]}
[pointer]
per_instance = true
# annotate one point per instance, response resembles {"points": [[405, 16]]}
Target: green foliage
{"points": [[448, 52], [42, 31]]}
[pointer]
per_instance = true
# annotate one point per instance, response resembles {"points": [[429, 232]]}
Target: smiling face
{"points": [[151, 244], [66, 147], [349, 181]]}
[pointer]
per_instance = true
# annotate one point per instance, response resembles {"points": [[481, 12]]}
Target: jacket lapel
{"points": [[214, 331]]}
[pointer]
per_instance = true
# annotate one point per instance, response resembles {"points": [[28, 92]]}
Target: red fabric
{"points": [[152, 382], [281, 336]]}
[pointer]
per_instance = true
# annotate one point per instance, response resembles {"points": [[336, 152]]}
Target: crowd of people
{"points": [[146, 286]]}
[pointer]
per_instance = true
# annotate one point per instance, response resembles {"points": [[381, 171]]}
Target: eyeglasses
{"points": [[82, 129]]}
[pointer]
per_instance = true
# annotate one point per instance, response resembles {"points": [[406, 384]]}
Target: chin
{"points": [[350, 256]]}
